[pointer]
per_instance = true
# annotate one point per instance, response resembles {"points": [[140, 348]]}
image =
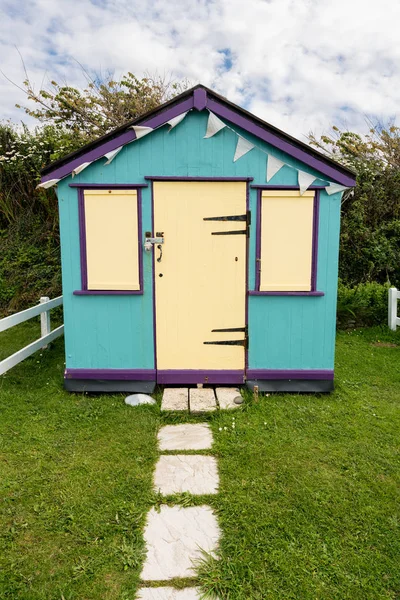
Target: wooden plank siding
{"points": [[114, 332]]}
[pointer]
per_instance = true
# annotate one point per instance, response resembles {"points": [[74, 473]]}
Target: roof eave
{"points": [[200, 97]]}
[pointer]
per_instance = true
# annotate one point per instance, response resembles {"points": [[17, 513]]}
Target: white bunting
{"points": [[111, 155], [273, 166], [335, 188], [80, 168], [214, 125], [305, 180], [176, 120], [243, 147], [48, 184], [141, 131]]}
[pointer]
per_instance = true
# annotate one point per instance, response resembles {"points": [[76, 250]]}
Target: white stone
{"points": [[185, 437], [226, 397], [176, 538], [139, 399], [175, 399], [168, 593], [182, 473], [202, 400]]}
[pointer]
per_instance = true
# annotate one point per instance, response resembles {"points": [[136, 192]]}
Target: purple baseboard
{"points": [[169, 377], [269, 374], [111, 374], [204, 376]]}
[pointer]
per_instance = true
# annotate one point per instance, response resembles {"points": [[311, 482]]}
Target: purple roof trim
{"points": [[123, 138], [289, 374], [114, 374], [195, 98], [271, 138], [193, 376], [200, 99]]}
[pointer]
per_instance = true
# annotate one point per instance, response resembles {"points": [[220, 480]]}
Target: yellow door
{"points": [[200, 281]]}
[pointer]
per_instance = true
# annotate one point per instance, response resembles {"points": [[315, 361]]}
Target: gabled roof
{"points": [[200, 98]]}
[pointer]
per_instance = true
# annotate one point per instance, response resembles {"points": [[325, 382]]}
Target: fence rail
{"points": [[393, 319], [47, 336]]}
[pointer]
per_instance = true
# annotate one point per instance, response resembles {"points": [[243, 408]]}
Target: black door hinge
{"points": [[246, 218], [244, 342]]}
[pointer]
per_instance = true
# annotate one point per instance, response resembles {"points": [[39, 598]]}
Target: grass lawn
{"points": [[308, 505]]}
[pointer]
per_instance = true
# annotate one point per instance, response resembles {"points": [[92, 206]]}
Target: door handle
{"points": [[160, 249]]}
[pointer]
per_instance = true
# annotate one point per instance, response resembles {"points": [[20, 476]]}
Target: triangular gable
{"points": [[201, 98]]}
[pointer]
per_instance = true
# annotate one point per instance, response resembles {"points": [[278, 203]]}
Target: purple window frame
{"points": [[81, 187], [314, 261]]}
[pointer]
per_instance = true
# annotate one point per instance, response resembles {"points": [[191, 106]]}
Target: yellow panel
{"points": [[286, 241], [111, 219], [201, 279]]}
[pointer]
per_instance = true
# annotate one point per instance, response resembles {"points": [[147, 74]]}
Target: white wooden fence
{"points": [[47, 336], [393, 319]]}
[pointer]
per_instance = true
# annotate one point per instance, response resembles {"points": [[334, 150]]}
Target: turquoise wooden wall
{"points": [[116, 332]]}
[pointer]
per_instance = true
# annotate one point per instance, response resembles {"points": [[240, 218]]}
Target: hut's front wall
{"points": [[287, 333]]}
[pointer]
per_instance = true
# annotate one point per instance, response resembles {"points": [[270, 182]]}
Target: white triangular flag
{"points": [[176, 120], [111, 155], [334, 188], [273, 166], [305, 180], [48, 184], [141, 131], [80, 168], [214, 125], [243, 146]]}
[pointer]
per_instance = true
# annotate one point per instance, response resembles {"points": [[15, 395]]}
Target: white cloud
{"points": [[300, 64]]}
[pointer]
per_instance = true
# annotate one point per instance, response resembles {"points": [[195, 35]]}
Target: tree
{"points": [[104, 104], [370, 233]]}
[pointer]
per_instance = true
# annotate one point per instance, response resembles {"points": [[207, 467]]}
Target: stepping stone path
{"points": [[193, 474], [168, 593], [175, 536], [184, 437], [199, 400]]}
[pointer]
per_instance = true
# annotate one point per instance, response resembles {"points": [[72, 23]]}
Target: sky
{"points": [[301, 65]]}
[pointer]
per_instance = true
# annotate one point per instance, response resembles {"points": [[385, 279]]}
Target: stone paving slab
{"points": [[175, 537], [185, 437], [202, 400], [226, 397], [175, 399], [182, 473], [168, 593]]}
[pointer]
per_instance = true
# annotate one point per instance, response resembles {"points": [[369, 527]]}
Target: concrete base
{"points": [[292, 385], [101, 386]]}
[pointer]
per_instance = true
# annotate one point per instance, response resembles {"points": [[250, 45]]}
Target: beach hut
{"points": [[199, 245]]}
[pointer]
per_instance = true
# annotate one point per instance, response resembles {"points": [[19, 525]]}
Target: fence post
{"points": [[44, 319], [392, 308]]}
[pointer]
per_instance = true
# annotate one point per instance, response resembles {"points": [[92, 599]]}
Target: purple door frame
{"points": [[189, 376]]}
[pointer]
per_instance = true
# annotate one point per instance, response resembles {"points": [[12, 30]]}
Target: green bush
{"points": [[362, 305], [29, 263]]}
